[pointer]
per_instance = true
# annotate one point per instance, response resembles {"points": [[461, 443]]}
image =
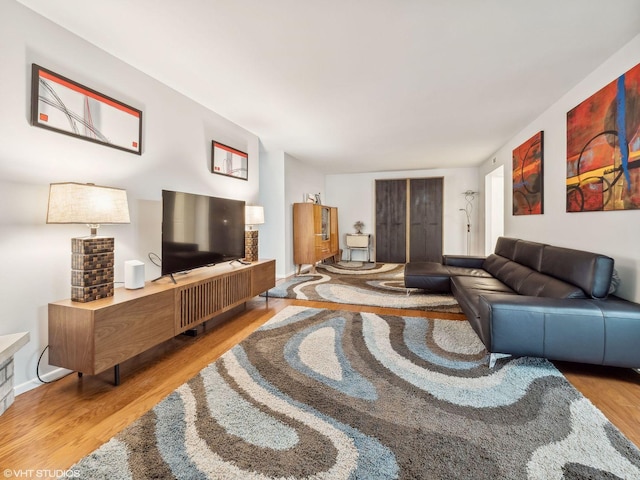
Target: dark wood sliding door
{"points": [[409, 220], [425, 213], [391, 221]]}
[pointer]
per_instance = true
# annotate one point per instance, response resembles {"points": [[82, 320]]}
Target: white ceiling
{"points": [[355, 86]]}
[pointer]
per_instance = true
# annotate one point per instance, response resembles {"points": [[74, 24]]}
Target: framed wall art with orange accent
{"points": [[229, 161], [603, 148], [65, 106], [528, 179]]}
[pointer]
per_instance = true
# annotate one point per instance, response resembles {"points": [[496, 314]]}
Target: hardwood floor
{"points": [[55, 425]]}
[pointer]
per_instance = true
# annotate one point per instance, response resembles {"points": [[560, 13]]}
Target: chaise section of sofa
{"points": [[435, 277], [534, 299]]}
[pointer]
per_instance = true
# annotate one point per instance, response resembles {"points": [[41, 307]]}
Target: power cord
{"points": [[155, 259], [38, 369]]}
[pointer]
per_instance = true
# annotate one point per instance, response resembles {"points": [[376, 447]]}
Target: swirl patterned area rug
{"points": [[380, 286], [330, 394]]}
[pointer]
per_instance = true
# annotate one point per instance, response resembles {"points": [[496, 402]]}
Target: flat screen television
{"points": [[199, 230]]}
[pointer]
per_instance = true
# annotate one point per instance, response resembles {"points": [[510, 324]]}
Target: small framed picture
{"points": [[229, 161]]}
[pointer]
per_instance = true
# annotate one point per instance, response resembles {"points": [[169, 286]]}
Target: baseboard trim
{"points": [[34, 382]]}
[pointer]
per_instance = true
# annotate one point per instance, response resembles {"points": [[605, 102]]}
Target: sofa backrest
{"points": [[590, 272], [529, 254], [527, 281], [506, 247]]}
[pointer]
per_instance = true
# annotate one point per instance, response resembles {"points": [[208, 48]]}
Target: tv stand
{"points": [[93, 337]]}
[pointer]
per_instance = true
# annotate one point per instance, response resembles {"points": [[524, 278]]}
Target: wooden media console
{"points": [[94, 336]]}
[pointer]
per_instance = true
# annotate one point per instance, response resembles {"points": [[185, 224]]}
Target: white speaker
{"points": [[133, 274]]}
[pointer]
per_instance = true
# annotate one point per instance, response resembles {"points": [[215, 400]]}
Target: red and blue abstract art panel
{"points": [[528, 181], [603, 148]]}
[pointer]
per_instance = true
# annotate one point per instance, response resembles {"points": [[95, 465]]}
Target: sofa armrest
{"points": [[622, 323], [558, 329], [467, 261]]}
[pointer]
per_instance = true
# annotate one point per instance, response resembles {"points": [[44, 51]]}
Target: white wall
{"points": [[612, 233], [276, 213], [354, 195], [300, 178], [177, 135], [494, 208]]}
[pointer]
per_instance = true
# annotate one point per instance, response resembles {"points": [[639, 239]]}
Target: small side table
{"points": [[358, 241]]}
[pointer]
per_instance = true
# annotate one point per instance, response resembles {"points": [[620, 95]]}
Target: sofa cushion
{"points": [[468, 272], [434, 277], [467, 291], [589, 271], [513, 274], [493, 263], [541, 285], [429, 276], [529, 254], [466, 261], [481, 285]]}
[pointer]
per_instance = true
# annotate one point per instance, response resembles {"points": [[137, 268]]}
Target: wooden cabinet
{"points": [[94, 336], [315, 234]]}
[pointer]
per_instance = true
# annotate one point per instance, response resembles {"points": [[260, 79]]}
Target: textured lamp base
{"points": [[251, 245], [91, 268]]}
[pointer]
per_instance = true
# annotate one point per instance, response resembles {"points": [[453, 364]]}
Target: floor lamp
{"points": [[469, 197], [253, 215]]}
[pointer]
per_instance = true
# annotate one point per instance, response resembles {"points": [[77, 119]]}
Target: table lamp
{"points": [[92, 257], [253, 215]]}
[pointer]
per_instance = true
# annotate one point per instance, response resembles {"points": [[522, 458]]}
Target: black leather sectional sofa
{"points": [[539, 300]]}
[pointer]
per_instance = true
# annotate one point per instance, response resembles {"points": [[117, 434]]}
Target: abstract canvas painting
{"points": [[528, 181], [603, 148]]}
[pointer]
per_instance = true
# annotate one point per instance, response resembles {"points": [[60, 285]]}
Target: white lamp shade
{"points": [[87, 203], [253, 215]]}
